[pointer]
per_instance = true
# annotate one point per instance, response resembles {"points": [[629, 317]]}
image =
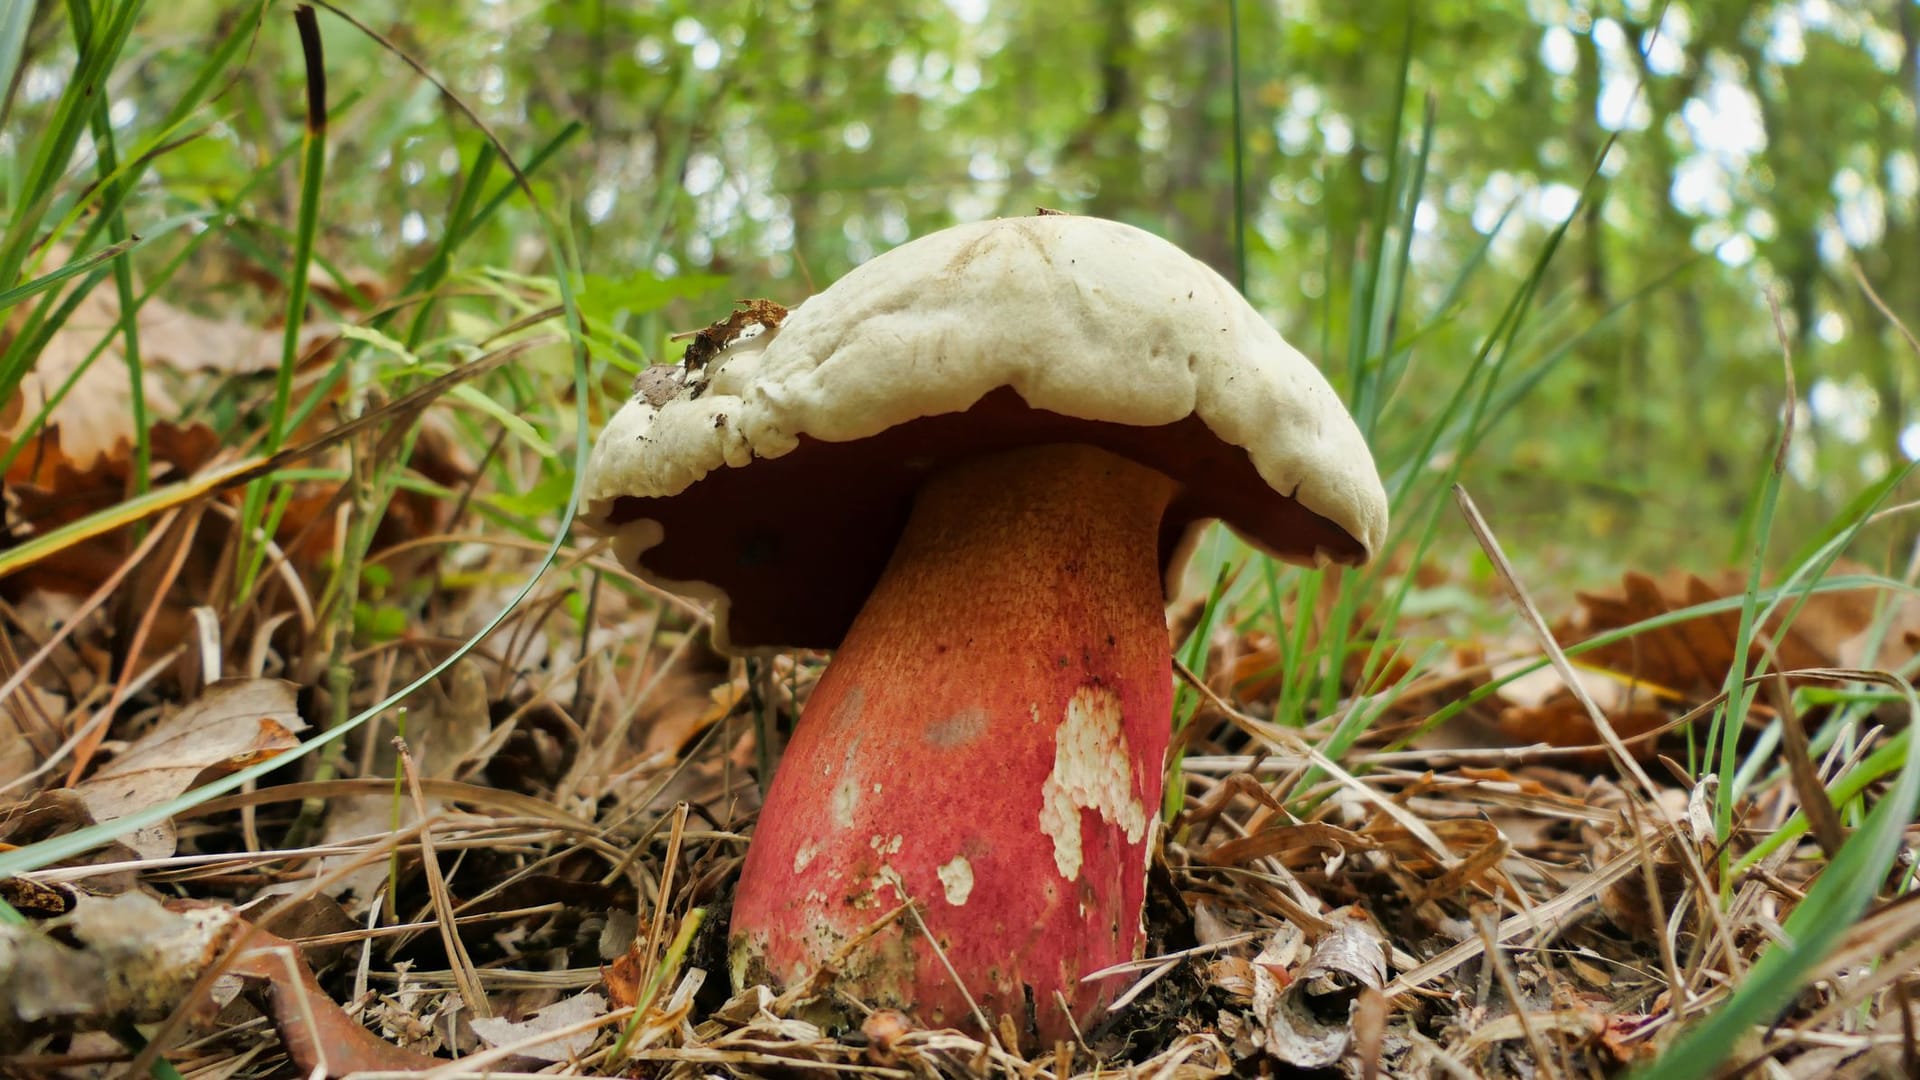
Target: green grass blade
{"points": [[312, 179], [98, 51], [1845, 887], [1723, 735], [108, 164], [313, 169], [14, 22], [28, 290], [1193, 653], [47, 852]]}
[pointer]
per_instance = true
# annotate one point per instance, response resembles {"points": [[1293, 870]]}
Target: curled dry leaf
{"points": [[234, 724], [624, 974], [56, 813], [1642, 682], [319, 1037], [1691, 658], [42, 900], [54, 485], [1306, 1022]]}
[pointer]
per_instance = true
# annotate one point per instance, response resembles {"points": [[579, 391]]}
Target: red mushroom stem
{"points": [[988, 742]]}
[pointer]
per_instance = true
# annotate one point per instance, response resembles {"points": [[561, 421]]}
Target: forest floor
{"points": [[1445, 855], [329, 745]]}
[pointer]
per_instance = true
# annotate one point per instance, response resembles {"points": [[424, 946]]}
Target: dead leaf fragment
{"points": [[1573, 1023], [109, 960], [1539, 708], [38, 899], [884, 1028], [56, 813], [1644, 681], [567, 1012], [95, 417], [1627, 901], [1691, 658], [27, 730], [1291, 843], [234, 724], [318, 1035]]}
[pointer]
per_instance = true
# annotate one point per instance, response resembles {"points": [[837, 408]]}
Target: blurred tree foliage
{"points": [[1760, 145]]}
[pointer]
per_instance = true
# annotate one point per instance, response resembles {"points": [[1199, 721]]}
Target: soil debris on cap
{"points": [[711, 339], [659, 383]]}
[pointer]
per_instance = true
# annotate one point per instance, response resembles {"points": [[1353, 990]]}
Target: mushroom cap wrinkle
{"points": [[774, 482]]}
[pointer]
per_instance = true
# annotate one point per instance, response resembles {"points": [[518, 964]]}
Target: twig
{"points": [[664, 896], [1155, 961], [1623, 758], [457, 958], [1677, 988], [1503, 971]]}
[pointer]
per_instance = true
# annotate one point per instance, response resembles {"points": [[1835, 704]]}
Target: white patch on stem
{"points": [[846, 800], [956, 880], [1092, 770]]}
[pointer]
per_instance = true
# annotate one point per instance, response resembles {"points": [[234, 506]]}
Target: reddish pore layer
{"points": [[796, 542], [988, 742]]}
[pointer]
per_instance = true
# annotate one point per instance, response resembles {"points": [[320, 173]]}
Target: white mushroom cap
{"points": [[1051, 328]]}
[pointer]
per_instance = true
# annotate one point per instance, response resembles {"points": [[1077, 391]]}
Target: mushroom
{"points": [[971, 466]]}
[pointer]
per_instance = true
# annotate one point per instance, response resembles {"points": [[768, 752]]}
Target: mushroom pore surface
{"points": [[796, 542]]}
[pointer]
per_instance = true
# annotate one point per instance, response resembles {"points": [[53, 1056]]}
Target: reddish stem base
{"points": [[987, 742]]}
